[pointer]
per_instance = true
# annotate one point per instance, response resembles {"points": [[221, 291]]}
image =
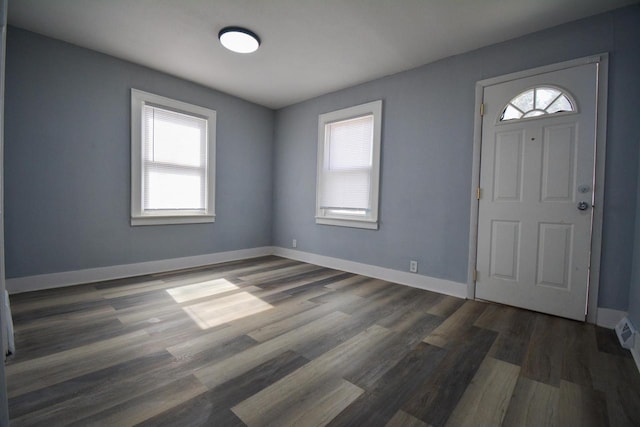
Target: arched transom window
{"points": [[538, 101]]}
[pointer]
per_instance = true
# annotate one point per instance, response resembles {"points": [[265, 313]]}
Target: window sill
{"points": [[168, 220], [348, 222]]}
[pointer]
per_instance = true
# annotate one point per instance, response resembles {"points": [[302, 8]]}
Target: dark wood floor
{"points": [[276, 342]]}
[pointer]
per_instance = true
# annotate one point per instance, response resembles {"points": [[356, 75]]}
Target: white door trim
{"points": [[601, 139]]}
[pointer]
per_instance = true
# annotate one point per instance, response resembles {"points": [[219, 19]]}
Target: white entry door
{"points": [[536, 191]]}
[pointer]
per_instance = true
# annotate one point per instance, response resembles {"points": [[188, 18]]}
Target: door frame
{"points": [[602, 61]]}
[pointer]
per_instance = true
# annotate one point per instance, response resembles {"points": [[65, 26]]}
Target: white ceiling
{"points": [[309, 47]]}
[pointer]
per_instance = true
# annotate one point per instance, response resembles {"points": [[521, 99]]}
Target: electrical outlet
{"points": [[294, 243], [413, 266]]}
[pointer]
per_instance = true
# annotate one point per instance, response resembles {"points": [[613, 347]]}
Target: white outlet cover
{"points": [[413, 266]]}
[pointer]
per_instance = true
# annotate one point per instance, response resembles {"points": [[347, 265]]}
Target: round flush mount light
{"points": [[238, 39]]}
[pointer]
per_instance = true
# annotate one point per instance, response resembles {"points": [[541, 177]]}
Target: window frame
{"points": [[563, 92], [370, 221], [138, 216]]}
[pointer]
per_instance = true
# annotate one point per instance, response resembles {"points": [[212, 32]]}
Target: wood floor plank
{"points": [[321, 408], [545, 353], [378, 406], [445, 306], [208, 289], [281, 342], [514, 326], [335, 297], [223, 310], [319, 282], [307, 273], [57, 367], [336, 363], [146, 405], [485, 401], [48, 401], [99, 313], [456, 324], [505, 319], [108, 392], [57, 310], [230, 273], [348, 282], [135, 300], [277, 328], [221, 372], [608, 342], [312, 406], [134, 289], [150, 311], [383, 303], [229, 267], [533, 404], [45, 301], [372, 302], [618, 378], [289, 285], [291, 296], [213, 407], [240, 326], [278, 273], [434, 402], [52, 338], [396, 348], [580, 347], [405, 318], [402, 419], [369, 287], [509, 348], [579, 406]]}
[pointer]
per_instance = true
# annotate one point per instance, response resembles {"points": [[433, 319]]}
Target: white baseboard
{"points": [[395, 276], [68, 278], [609, 318]]}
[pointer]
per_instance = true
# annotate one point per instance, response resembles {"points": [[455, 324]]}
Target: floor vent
{"points": [[626, 333]]}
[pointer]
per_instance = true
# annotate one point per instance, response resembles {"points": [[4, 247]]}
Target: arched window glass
{"points": [[538, 101]]}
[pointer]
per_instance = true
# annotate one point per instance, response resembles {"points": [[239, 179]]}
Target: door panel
{"points": [[558, 163], [533, 241], [554, 255], [505, 247], [508, 166]]}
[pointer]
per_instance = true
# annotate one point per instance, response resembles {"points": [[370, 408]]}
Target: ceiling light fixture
{"points": [[238, 39]]}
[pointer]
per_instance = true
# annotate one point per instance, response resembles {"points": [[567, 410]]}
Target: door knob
{"points": [[583, 206]]}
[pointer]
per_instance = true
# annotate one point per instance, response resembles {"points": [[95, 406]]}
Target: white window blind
{"points": [[348, 179], [347, 172], [174, 161], [173, 146]]}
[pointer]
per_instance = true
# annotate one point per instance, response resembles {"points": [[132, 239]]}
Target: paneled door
{"points": [[536, 191]]}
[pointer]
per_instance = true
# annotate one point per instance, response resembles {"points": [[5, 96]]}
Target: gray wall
{"points": [[427, 155], [67, 159], [631, 87], [4, 409], [67, 163], [634, 288]]}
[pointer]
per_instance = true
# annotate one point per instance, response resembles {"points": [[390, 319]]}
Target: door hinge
{"points": [[478, 193], [482, 109], [475, 275]]}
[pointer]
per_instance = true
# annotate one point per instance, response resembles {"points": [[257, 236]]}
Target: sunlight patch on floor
{"points": [[200, 290], [218, 311]]}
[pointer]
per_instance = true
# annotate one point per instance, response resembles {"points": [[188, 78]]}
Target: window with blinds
{"points": [[348, 166], [172, 161]]}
